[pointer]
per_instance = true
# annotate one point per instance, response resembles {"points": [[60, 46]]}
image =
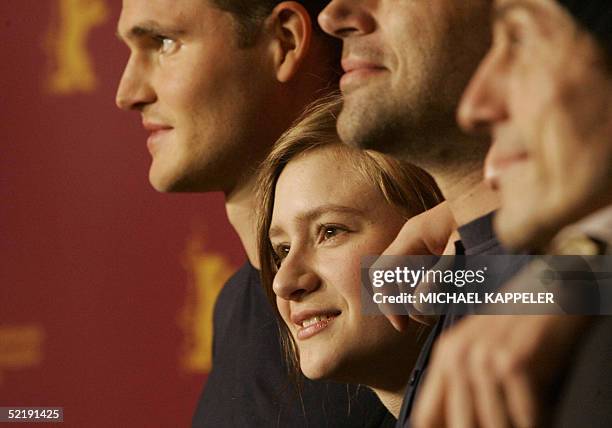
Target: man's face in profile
{"points": [[186, 76], [544, 95], [406, 64]]}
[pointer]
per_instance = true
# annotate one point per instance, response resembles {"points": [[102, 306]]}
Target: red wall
{"points": [[106, 286]]}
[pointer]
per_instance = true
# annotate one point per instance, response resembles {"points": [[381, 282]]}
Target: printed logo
{"points": [[71, 64], [20, 347], [208, 273]]}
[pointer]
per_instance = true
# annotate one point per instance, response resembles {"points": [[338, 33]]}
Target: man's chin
{"points": [[521, 230], [187, 181], [164, 182], [347, 131], [355, 122], [362, 130]]}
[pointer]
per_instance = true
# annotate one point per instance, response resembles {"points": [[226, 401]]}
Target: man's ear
{"points": [[292, 32]]}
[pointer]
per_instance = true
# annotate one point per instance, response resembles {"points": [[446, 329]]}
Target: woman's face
{"points": [[325, 217]]}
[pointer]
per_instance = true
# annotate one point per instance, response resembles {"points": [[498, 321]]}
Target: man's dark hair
{"points": [[250, 15], [594, 16]]}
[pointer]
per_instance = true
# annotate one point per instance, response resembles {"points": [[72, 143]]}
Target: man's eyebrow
{"points": [[313, 214], [148, 29]]}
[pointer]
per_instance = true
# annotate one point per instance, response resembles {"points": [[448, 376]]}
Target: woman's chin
{"points": [[317, 371], [314, 374]]}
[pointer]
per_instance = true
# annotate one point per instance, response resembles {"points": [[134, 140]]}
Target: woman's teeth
{"points": [[314, 320]]}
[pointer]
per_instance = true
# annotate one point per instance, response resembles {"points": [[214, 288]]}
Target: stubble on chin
{"points": [[363, 124], [519, 228], [429, 142]]}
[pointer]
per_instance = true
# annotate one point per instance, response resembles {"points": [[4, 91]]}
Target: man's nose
{"points": [[135, 91], [342, 18], [295, 279], [484, 102]]}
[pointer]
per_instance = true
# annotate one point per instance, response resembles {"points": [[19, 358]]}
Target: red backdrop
{"points": [[106, 286]]}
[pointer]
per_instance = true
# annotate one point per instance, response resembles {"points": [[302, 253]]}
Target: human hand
{"points": [[496, 371], [430, 233], [424, 234]]}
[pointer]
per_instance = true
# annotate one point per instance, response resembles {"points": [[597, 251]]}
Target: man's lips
{"points": [[158, 131], [353, 64], [498, 163], [155, 127], [310, 322], [356, 70]]}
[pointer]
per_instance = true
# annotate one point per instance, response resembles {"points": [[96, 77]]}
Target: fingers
{"points": [[445, 391], [426, 233], [461, 403], [425, 287], [402, 322], [429, 411], [521, 400], [478, 376], [515, 367], [428, 312], [489, 399]]}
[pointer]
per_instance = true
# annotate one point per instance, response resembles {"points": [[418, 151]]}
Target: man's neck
{"points": [[240, 208], [468, 196]]}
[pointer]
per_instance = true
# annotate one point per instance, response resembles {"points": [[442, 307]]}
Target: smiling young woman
{"points": [[322, 206]]}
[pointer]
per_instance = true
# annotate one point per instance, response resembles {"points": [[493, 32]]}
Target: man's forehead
{"points": [[156, 14]]}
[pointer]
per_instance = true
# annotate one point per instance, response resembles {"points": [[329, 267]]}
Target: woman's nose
{"points": [[294, 279]]}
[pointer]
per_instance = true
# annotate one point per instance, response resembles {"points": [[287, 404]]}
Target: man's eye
{"points": [[166, 45], [514, 39], [513, 36]]}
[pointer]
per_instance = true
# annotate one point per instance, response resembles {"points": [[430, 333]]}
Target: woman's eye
{"points": [[280, 253], [328, 232]]}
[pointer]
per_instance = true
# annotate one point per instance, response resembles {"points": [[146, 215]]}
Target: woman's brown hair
{"points": [[403, 185]]}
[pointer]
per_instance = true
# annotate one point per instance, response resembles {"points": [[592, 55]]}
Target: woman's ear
{"points": [[292, 32]]}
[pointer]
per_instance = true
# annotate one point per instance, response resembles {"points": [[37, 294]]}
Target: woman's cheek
{"points": [[345, 269]]}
